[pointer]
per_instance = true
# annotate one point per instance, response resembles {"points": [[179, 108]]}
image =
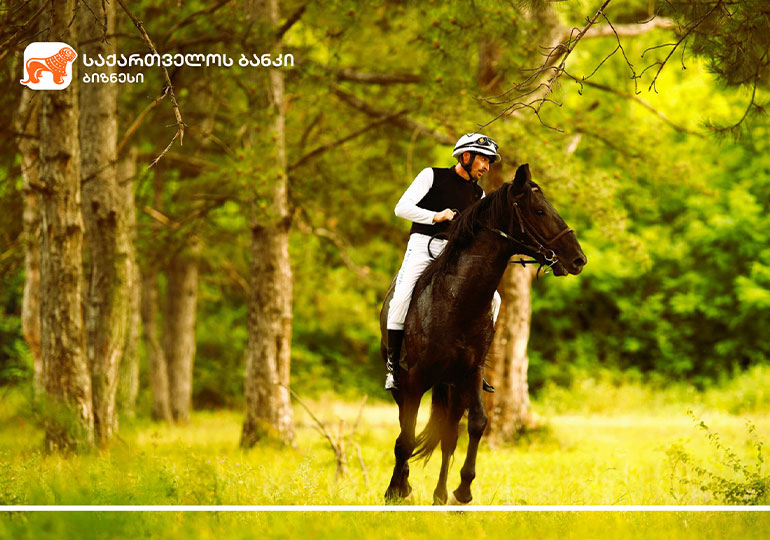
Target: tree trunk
{"points": [[67, 382], [181, 304], [27, 125], [508, 408], [179, 330], [268, 403], [128, 387], [107, 233], [161, 407]]}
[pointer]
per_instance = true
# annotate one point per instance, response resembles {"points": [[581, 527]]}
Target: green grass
{"points": [[605, 443], [374, 526]]}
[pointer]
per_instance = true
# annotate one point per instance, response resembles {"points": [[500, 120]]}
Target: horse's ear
{"points": [[522, 177]]}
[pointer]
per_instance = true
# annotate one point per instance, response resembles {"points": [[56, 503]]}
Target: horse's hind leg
{"points": [[477, 422], [449, 432], [407, 415]]}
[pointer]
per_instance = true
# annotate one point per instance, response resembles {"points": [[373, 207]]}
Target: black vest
{"points": [[449, 190]]}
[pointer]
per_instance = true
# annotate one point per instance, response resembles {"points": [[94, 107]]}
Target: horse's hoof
{"points": [[455, 501], [392, 496], [438, 501]]}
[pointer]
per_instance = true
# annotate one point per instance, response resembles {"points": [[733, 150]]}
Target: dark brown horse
{"points": [[448, 328]]}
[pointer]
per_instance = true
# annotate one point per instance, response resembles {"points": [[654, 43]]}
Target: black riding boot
{"points": [[395, 339]]}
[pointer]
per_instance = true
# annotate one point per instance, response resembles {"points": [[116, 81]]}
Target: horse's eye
{"points": [[539, 212]]}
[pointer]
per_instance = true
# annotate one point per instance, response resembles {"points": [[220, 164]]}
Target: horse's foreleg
{"points": [[448, 445], [407, 414], [477, 422]]}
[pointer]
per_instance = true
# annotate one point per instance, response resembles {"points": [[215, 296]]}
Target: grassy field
{"points": [[602, 443], [375, 526]]}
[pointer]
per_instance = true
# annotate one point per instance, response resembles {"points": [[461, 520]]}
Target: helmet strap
{"points": [[469, 167]]}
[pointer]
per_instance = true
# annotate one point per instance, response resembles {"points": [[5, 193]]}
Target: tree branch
{"points": [[195, 164], [630, 30], [304, 225], [562, 50], [632, 97], [684, 36], [734, 128], [5, 47], [139, 119], [291, 21], [179, 123], [401, 121], [556, 56], [383, 79], [187, 20], [338, 142]]}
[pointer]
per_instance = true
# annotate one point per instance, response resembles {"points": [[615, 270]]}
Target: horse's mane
{"points": [[486, 212]]}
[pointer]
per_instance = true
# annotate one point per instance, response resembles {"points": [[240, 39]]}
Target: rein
{"points": [[541, 245], [440, 236]]}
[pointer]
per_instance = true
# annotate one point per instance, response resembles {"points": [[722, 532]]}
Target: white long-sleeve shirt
{"points": [[407, 205]]}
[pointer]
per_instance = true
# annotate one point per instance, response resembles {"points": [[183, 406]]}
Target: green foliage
{"points": [[734, 36], [691, 300], [15, 363], [748, 485], [609, 392], [220, 345], [15, 360], [678, 280]]}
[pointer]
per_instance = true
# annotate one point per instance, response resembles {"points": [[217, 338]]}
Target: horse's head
{"points": [[537, 225]]}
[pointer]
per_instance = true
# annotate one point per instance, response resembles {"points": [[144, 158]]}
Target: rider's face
{"points": [[480, 166]]}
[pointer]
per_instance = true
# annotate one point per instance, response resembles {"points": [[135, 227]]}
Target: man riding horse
{"points": [[431, 202]]}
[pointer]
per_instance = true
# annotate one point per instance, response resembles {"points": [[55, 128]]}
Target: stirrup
{"points": [[487, 387], [391, 383]]}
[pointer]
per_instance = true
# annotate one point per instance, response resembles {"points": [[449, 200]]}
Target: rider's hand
{"points": [[444, 215]]}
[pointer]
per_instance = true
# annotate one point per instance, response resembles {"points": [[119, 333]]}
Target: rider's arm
{"points": [[407, 206]]}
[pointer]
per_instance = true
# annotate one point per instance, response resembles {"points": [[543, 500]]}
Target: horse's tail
{"points": [[429, 438]]}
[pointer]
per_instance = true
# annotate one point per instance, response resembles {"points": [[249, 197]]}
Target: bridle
{"points": [[541, 246]]}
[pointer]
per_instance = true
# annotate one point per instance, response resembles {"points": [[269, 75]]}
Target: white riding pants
{"points": [[416, 259]]}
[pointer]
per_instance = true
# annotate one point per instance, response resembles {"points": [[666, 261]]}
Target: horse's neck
{"points": [[480, 266]]}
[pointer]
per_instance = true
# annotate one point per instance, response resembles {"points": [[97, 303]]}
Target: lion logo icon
{"points": [[48, 65]]}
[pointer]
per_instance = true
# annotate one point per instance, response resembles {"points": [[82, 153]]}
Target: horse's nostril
{"points": [[580, 261]]}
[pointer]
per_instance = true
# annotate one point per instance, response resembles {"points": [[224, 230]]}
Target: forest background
{"points": [[648, 138]]}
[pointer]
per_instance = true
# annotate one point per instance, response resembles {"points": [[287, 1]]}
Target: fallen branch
{"points": [[338, 444]]}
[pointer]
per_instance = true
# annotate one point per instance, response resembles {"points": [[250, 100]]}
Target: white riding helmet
{"points": [[478, 143]]}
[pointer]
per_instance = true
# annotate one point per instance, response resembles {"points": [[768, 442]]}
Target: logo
{"points": [[48, 65]]}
